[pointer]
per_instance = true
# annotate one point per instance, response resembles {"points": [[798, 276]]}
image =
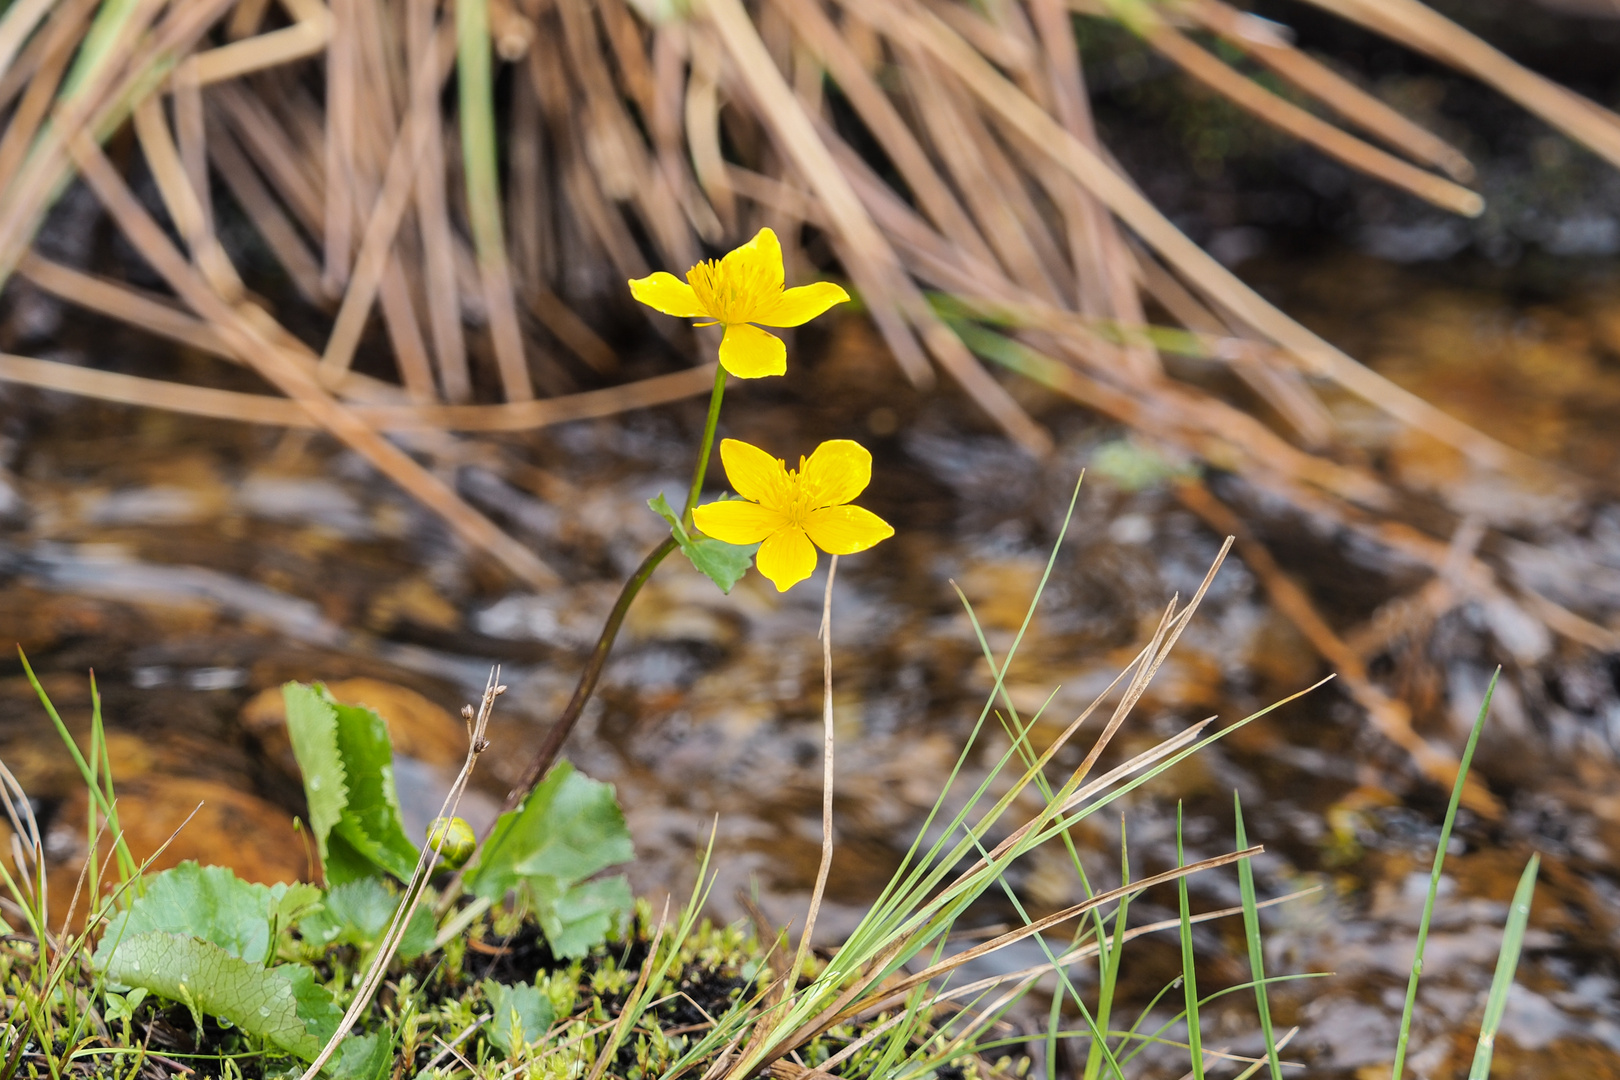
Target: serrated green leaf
{"points": [[371, 821], [358, 912], [722, 563], [519, 1015], [282, 1005], [312, 727], [348, 764], [206, 902], [569, 828]]}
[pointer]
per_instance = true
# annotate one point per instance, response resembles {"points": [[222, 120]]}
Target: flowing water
{"points": [[196, 565]]}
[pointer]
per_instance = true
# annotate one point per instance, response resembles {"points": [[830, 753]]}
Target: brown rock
{"points": [[231, 827]]}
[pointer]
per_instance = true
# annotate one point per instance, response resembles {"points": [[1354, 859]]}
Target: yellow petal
{"points": [[798, 306], [786, 557], [754, 474], [750, 353], [838, 471], [669, 294], [738, 522], [844, 530], [759, 262]]}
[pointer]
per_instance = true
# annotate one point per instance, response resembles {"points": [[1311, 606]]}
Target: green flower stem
{"points": [[709, 425], [547, 754]]}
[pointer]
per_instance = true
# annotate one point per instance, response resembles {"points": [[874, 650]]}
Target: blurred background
{"points": [[318, 363]]}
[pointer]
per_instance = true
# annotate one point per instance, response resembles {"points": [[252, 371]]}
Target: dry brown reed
{"points": [[641, 134]]}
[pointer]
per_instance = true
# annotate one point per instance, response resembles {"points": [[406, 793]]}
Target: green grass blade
{"points": [[1257, 956], [1109, 954], [1507, 962], [1434, 879], [98, 796], [1189, 977]]}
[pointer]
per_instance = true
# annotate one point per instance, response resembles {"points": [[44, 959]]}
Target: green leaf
{"points": [[520, 1015], [122, 1006], [312, 727], [364, 1057], [1507, 962], [580, 918], [282, 1005], [348, 766], [722, 563], [661, 507], [358, 912], [298, 900], [372, 820], [569, 828], [206, 902]]}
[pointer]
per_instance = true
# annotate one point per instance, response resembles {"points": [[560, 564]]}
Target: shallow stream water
{"points": [[197, 565]]}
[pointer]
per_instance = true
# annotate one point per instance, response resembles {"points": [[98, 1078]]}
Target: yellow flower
{"points": [[789, 509], [744, 287]]}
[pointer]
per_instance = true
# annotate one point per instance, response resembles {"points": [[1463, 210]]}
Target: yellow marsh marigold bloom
{"points": [[744, 287], [793, 509]]}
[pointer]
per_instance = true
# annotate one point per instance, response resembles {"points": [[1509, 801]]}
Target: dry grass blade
{"points": [[288, 170], [1392, 718], [1260, 39], [16, 25], [792, 975], [246, 338], [308, 35], [474, 81], [342, 76], [282, 237], [56, 46], [182, 201], [264, 409], [1017, 109], [1103, 263], [869, 262], [1422, 28], [933, 195], [376, 247], [892, 297], [1289, 117], [951, 963], [103, 86], [122, 302]]}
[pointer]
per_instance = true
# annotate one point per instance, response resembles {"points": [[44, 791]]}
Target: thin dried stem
{"points": [[246, 336], [1288, 117], [825, 868], [1261, 39], [264, 409], [416, 888]]}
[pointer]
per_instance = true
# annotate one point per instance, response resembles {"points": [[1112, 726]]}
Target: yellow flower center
{"points": [[800, 497], [732, 294]]}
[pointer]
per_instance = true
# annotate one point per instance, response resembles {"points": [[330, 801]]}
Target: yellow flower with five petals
{"points": [[737, 291], [791, 512]]}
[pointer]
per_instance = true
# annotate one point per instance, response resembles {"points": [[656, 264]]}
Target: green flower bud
{"points": [[452, 838]]}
